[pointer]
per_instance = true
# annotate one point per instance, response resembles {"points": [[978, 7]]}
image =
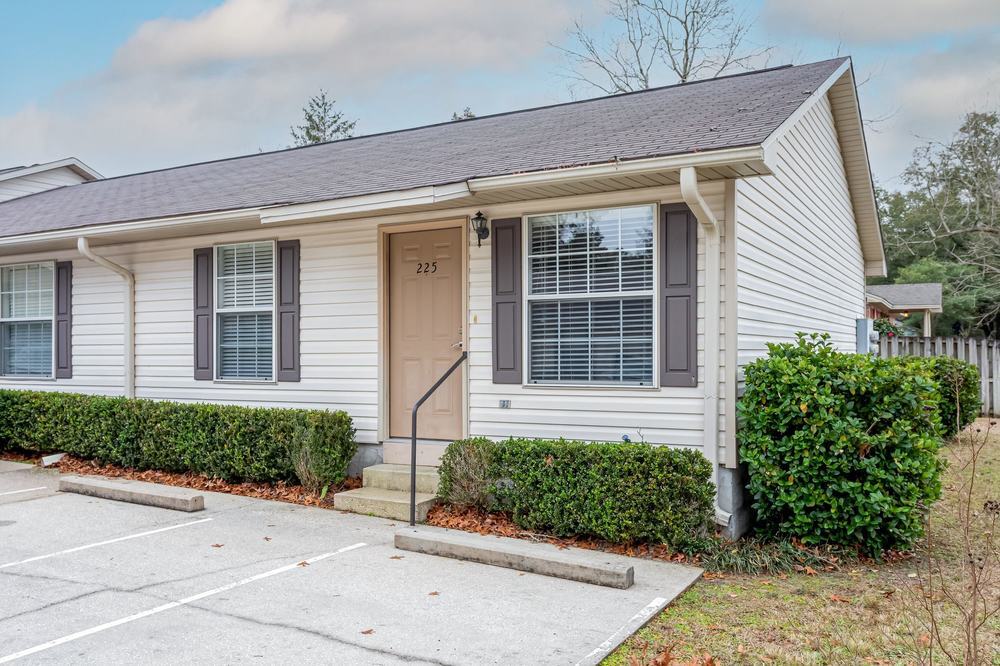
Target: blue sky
{"points": [[128, 86]]}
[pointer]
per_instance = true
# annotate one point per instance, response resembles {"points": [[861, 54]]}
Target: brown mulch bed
{"points": [[471, 519], [280, 491]]}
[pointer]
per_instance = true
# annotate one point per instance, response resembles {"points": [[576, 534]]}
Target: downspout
{"points": [[83, 245], [713, 313]]}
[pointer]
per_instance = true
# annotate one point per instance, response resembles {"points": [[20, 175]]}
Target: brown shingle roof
{"points": [[720, 113]]}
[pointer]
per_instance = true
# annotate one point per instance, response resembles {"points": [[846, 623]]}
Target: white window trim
{"points": [[216, 311], [528, 297], [52, 323]]}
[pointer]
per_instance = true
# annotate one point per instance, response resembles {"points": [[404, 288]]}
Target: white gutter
{"points": [[418, 196], [178, 221], [713, 313], [705, 159], [83, 245]]}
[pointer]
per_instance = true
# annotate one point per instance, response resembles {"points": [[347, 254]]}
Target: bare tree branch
{"points": [[678, 40]]}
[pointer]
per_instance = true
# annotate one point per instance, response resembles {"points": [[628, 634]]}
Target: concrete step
{"points": [[397, 451], [394, 504], [135, 492], [397, 477], [587, 566]]}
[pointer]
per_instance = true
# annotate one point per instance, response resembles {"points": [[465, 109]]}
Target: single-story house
{"points": [[609, 265], [896, 301]]}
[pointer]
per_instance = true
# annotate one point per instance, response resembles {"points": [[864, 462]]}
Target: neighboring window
{"points": [[26, 312], [590, 297], [245, 311]]}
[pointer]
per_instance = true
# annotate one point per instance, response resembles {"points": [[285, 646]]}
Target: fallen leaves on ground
{"points": [[839, 599], [303, 563], [280, 491], [395, 557], [470, 519], [368, 632], [218, 545], [433, 594]]}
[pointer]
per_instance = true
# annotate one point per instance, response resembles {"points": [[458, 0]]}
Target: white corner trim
{"points": [[365, 203], [619, 168]]}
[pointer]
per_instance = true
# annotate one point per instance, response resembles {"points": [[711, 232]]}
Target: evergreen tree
{"points": [[321, 122]]}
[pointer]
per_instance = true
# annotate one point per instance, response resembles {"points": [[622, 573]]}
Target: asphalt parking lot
{"points": [[86, 580]]}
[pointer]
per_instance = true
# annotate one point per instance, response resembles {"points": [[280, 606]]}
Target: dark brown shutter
{"points": [[204, 293], [678, 297], [506, 246], [64, 320], [288, 311]]}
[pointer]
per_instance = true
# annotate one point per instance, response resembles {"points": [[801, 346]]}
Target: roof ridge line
{"points": [[468, 120]]}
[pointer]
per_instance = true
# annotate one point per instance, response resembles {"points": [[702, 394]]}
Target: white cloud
{"points": [[881, 21], [233, 78], [925, 98]]}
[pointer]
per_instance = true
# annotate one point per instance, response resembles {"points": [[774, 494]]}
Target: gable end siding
{"points": [[798, 252]]}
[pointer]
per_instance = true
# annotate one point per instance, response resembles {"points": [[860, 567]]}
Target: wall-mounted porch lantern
{"points": [[481, 226]]}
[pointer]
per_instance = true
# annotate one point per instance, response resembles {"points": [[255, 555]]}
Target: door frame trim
{"points": [[384, 230]]}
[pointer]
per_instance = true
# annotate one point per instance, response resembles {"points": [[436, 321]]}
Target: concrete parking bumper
{"points": [[584, 566], [135, 492]]}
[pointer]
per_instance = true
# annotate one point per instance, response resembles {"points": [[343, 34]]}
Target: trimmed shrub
{"points": [[958, 385], [224, 441], [619, 492], [841, 448]]}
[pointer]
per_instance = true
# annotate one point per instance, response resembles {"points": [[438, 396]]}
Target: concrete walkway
{"points": [[88, 580]]}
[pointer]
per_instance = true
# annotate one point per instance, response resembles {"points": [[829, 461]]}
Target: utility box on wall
{"points": [[867, 337]]}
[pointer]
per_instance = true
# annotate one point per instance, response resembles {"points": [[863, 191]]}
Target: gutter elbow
{"points": [[692, 197]]}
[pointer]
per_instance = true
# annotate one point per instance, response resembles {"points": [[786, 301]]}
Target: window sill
{"points": [[26, 378], [594, 387], [246, 382]]}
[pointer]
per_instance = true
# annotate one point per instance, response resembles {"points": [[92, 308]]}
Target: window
{"points": [[26, 313], [590, 297], [245, 311]]}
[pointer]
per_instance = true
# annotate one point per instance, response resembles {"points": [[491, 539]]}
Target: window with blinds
{"points": [[245, 311], [26, 312], [590, 297]]}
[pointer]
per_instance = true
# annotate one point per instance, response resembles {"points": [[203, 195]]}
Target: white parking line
{"points": [[172, 604], [633, 625], [26, 490], [103, 543]]}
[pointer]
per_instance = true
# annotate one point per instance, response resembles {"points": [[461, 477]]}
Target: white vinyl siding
{"points": [[340, 341], [798, 252], [13, 188], [244, 330], [26, 313], [590, 297]]}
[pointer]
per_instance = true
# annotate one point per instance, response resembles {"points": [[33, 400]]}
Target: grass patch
{"points": [[861, 613]]}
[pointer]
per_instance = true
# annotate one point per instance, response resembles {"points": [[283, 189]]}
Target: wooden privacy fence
{"points": [[982, 353]]}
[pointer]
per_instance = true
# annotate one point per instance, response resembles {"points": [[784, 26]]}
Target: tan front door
{"points": [[425, 331]]}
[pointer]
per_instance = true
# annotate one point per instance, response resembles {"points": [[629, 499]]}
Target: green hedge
{"points": [[958, 385], [223, 441], [620, 492], [841, 448]]}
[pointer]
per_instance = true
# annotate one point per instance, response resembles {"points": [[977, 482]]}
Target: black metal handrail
{"points": [[413, 435]]}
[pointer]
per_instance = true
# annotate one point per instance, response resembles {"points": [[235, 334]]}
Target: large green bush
{"points": [[224, 441], [620, 492], [958, 386], [841, 448]]}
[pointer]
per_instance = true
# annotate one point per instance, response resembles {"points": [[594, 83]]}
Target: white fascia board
{"points": [[70, 162], [96, 231], [609, 169], [365, 203], [771, 141]]}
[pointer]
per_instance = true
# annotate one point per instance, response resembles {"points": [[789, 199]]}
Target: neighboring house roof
{"points": [[71, 163], [727, 112], [904, 297]]}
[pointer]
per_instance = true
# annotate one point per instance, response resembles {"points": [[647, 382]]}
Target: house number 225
{"points": [[425, 267]]}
